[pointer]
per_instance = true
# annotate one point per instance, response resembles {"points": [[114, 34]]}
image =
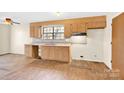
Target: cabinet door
{"points": [[51, 53], [28, 51], [64, 54], [96, 25], [31, 31], [78, 27], [67, 30], [45, 52], [61, 54], [31, 51], [35, 31], [81, 27], [74, 27]]}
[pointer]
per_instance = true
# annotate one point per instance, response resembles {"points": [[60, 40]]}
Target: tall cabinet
{"points": [[118, 44]]}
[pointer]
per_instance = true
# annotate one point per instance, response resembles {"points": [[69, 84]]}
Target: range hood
{"points": [[79, 38]]}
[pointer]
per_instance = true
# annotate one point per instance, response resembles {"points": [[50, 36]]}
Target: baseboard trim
{"points": [[87, 61], [5, 54]]}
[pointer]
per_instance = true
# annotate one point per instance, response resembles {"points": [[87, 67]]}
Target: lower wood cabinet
{"points": [[31, 51], [58, 53]]}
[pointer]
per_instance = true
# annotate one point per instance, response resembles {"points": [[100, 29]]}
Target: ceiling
{"points": [[28, 17]]}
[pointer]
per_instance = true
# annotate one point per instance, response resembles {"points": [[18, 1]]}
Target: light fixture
{"points": [[8, 21]]}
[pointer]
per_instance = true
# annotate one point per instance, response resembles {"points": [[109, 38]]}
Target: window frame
{"points": [[53, 32]]}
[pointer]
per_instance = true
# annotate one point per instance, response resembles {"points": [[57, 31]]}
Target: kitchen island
{"points": [[50, 51]]}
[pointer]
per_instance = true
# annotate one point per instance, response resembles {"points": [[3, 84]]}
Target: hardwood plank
{"points": [[29, 69]]}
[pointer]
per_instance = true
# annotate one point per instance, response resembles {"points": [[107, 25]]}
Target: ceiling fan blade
{"points": [[16, 22], [8, 21]]}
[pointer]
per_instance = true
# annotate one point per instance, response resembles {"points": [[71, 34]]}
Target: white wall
{"points": [[93, 50], [19, 37], [4, 39]]}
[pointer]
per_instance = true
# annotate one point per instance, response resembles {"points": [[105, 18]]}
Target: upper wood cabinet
{"points": [[70, 25], [35, 31], [81, 27], [96, 25], [74, 28], [67, 30], [78, 27]]}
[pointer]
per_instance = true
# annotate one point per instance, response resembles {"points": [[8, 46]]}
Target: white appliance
{"points": [[79, 38]]}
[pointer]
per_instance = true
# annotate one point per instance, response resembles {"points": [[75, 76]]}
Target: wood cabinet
{"points": [[96, 25], [67, 30], [31, 51], [118, 44], [81, 27], [78, 27], [35, 31], [63, 54], [74, 27], [70, 25], [58, 53]]}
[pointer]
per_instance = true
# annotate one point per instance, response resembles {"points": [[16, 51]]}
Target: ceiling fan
{"points": [[8, 21]]}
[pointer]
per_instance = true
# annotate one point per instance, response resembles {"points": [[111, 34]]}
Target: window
{"points": [[53, 32]]}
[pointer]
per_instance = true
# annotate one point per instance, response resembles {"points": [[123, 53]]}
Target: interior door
{"points": [[118, 44]]}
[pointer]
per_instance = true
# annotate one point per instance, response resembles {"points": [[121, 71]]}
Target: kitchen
{"points": [[81, 41], [73, 30], [51, 46]]}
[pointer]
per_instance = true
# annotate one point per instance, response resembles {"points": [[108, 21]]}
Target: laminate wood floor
{"points": [[19, 67]]}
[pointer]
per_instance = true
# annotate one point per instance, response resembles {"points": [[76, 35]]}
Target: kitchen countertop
{"points": [[50, 44]]}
